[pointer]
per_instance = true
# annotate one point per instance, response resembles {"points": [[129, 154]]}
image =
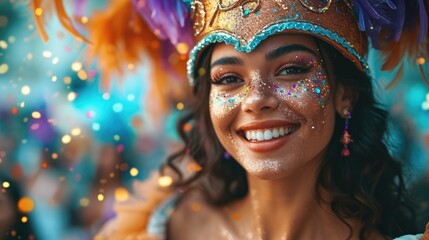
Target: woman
{"points": [[287, 138]]}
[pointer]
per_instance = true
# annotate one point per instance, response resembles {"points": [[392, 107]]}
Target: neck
{"points": [[288, 208]]}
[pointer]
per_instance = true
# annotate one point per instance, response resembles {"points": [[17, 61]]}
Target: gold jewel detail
{"points": [[222, 8], [316, 9], [253, 4], [198, 15], [282, 4]]}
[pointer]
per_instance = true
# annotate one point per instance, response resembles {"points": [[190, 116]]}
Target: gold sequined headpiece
{"points": [[245, 23]]}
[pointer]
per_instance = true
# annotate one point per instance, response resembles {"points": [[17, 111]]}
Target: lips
{"points": [[267, 135]]}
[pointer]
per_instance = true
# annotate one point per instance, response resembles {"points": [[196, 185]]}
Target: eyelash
{"points": [[218, 79], [297, 65]]}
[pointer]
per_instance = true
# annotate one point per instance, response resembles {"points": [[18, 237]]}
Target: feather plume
{"points": [[43, 9], [395, 30], [413, 41], [169, 19], [120, 37]]}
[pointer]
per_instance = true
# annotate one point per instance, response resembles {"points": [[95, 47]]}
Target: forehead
{"points": [[221, 49]]}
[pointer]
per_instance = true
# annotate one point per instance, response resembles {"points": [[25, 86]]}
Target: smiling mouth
{"points": [[267, 134]]}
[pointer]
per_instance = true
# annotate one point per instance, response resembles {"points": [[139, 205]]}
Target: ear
{"points": [[345, 97]]}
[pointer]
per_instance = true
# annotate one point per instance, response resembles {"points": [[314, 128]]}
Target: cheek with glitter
{"points": [[315, 89], [222, 103]]}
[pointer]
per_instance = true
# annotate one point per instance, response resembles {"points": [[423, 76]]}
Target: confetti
{"points": [[36, 115], [121, 194], [67, 80], [47, 54], [3, 44], [5, 184], [84, 202], [55, 60], [76, 132], [118, 107], [165, 181], [134, 172], [82, 75], [66, 139], [106, 96], [84, 19], [182, 48], [116, 137], [4, 68], [96, 126], [100, 197], [90, 114], [71, 96], [38, 12], [76, 66], [180, 106], [131, 97], [25, 205], [25, 90]]}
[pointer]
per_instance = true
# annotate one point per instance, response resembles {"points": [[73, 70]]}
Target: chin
{"points": [[268, 169]]}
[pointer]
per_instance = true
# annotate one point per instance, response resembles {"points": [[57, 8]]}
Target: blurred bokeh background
{"points": [[69, 148]]}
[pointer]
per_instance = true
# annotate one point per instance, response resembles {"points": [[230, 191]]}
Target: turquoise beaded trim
{"points": [[227, 38]]}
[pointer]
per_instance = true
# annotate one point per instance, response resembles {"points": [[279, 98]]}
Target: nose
{"points": [[260, 98]]}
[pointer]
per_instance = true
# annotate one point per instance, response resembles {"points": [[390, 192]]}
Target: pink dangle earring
{"points": [[346, 139]]}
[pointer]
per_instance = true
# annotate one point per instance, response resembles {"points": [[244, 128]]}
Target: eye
{"points": [[226, 79], [292, 70]]}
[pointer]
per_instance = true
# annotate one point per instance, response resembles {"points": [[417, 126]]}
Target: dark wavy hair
{"points": [[368, 185]]}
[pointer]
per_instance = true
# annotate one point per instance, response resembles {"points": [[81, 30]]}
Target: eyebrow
{"points": [[276, 53], [227, 61]]}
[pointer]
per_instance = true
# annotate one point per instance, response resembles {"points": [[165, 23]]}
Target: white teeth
{"points": [[248, 135], [276, 133], [259, 136], [268, 134]]}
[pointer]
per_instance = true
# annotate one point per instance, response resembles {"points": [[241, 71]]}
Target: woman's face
{"points": [[272, 108]]}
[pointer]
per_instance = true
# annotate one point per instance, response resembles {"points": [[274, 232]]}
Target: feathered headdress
{"points": [[167, 29]]}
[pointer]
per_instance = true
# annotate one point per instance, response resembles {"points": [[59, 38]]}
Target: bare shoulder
{"points": [[192, 218]]}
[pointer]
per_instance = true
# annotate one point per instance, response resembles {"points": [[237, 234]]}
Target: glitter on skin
{"points": [[222, 103], [292, 95], [317, 85]]}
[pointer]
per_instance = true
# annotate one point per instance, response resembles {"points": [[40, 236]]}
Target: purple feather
{"points": [[375, 15], [168, 19], [423, 20], [79, 7]]}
